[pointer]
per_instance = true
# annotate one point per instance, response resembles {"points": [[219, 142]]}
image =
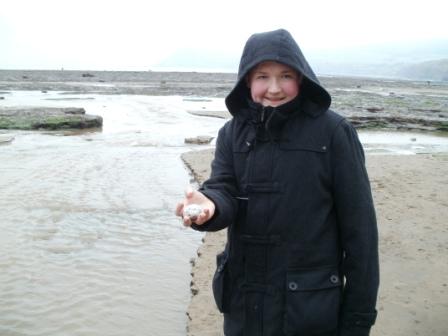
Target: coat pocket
{"points": [[219, 283], [313, 298]]}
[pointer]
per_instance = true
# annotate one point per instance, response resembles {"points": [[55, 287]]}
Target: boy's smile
{"points": [[273, 84]]}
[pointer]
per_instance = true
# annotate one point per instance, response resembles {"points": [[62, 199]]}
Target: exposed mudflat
{"points": [[367, 103]]}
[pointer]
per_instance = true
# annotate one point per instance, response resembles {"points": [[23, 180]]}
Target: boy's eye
{"points": [[288, 76], [261, 77]]}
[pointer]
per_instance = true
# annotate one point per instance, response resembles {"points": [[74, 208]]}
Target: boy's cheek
{"points": [[257, 92], [291, 88]]}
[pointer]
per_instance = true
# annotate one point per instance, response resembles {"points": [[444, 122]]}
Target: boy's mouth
{"points": [[276, 101]]}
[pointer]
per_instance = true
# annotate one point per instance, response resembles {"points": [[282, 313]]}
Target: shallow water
{"points": [[89, 244], [403, 143]]}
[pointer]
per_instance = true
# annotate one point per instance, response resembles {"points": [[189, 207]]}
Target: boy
{"points": [[289, 182]]}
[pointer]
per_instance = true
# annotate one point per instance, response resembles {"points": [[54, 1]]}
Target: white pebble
{"points": [[192, 211]]}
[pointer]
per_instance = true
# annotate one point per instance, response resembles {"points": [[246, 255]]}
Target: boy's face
{"points": [[273, 84]]}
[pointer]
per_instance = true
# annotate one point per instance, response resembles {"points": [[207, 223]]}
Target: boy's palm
{"points": [[196, 197]]}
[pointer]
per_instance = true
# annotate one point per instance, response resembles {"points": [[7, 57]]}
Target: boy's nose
{"points": [[274, 86]]}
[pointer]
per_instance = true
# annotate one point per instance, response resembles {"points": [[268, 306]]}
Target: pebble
{"points": [[192, 211]]}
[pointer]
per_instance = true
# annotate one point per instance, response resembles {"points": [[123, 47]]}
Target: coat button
{"points": [[334, 279], [293, 286], [324, 148]]}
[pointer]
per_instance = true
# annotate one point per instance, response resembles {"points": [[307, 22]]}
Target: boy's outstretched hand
{"points": [[195, 197]]}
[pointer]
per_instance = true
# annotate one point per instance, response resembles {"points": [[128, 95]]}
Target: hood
{"points": [[278, 46]]}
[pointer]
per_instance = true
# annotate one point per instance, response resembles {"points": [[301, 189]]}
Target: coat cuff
{"points": [[357, 324], [218, 221]]}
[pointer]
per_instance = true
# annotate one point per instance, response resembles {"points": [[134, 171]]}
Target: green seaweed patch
{"points": [[50, 122], [14, 123], [443, 127]]}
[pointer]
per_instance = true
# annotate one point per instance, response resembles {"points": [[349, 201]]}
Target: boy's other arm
{"points": [[358, 232]]}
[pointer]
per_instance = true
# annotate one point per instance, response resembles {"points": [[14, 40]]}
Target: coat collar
{"points": [[269, 121]]}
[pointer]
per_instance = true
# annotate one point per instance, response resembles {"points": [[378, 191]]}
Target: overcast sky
{"points": [[137, 35]]}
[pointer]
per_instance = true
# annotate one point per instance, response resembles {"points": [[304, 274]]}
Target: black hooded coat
{"points": [[290, 184]]}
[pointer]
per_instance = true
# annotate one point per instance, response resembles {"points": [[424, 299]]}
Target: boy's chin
{"points": [[273, 103]]}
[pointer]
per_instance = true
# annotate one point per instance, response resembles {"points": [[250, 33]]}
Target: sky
{"points": [[141, 34]]}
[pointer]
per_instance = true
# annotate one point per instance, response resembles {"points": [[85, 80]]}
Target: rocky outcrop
{"points": [[214, 114], [199, 140], [49, 118], [398, 122]]}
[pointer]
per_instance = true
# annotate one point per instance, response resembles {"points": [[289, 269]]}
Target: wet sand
{"points": [[411, 198]]}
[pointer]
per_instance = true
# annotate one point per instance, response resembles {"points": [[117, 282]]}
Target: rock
{"points": [[6, 138], [87, 75], [73, 110], [374, 109], [194, 291], [199, 140], [209, 113], [50, 118], [197, 99]]}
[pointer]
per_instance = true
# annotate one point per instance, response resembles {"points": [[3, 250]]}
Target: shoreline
{"points": [[411, 199], [366, 102]]}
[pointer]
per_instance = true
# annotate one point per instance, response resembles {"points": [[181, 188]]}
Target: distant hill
{"points": [[423, 60], [436, 70], [430, 70], [400, 60]]}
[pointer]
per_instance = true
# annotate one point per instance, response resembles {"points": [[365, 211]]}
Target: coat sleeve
{"points": [[358, 232], [221, 186]]}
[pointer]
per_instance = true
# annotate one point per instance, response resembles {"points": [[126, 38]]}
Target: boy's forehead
{"points": [[266, 65]]}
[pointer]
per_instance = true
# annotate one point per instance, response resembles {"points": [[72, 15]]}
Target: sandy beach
{"points": [[411, 198]]}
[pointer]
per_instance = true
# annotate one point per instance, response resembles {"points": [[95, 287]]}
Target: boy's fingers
{"points": [[179, 209], [187, 221], [200, 219], [189, 192], [207, 212], [203, 217]]}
